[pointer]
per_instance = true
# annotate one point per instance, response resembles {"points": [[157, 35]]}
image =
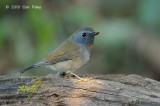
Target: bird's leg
{"points": [[80, 79], [68, 74], [75, 75]]}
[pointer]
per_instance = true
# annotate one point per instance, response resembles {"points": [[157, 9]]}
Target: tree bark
{"points": [[101, 90]]}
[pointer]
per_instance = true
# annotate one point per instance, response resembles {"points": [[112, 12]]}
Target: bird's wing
{"points": [[66, 51]]}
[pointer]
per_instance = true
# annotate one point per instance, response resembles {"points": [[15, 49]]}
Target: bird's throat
{"points": [[90, 47]]}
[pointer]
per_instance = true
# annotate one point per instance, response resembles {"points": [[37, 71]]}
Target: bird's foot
{"points": [[83, 79]]}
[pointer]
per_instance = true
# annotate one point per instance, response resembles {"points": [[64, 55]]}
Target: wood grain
{"points": [[102, 90]]}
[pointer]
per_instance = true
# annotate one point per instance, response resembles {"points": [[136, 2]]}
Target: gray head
{"points": [[84, 36]]}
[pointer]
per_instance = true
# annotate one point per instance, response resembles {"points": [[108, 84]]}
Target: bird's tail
{"points": [[30, 67]]}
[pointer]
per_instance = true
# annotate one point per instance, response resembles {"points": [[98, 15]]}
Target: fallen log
{"points": [[100, 90]]}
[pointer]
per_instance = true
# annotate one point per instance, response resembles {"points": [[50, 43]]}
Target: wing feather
{"points": [[66, 51]]}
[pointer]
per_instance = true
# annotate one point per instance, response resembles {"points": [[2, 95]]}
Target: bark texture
{"points": [[102, 90]]}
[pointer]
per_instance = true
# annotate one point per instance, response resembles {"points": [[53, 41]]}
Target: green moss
{"points": [[33, 87]]}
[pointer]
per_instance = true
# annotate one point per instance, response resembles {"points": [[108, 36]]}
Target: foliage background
{"points": [[129, 40]]}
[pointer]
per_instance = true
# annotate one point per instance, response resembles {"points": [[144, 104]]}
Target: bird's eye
{"points": [[83, 34]]}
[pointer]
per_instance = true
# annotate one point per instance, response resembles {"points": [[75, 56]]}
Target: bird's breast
{"points": [[85, 55]]}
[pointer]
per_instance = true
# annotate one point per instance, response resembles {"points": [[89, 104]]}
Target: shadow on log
{"points": [[101, 90]]}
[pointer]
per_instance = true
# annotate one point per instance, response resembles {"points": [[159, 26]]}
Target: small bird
{"points": [[72, 54]]}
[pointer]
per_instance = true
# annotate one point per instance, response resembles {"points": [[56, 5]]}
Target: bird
{"points": [[71, 55]]}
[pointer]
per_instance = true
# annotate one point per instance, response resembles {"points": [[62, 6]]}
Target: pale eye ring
{"points": [[84, 34]]}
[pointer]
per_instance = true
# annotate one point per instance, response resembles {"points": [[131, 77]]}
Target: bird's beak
{"points": [[95, 33]]}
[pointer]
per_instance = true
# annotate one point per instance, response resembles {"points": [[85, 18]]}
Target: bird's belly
{"points": [[69, 65]]}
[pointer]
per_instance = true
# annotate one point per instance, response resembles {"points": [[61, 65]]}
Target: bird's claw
{"points": [[83, 79]]}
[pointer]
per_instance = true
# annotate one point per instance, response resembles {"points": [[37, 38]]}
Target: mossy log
{"points": [[102, 90]]}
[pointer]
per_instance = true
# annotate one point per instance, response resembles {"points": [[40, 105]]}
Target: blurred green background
{"points": [[129, 40]]}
